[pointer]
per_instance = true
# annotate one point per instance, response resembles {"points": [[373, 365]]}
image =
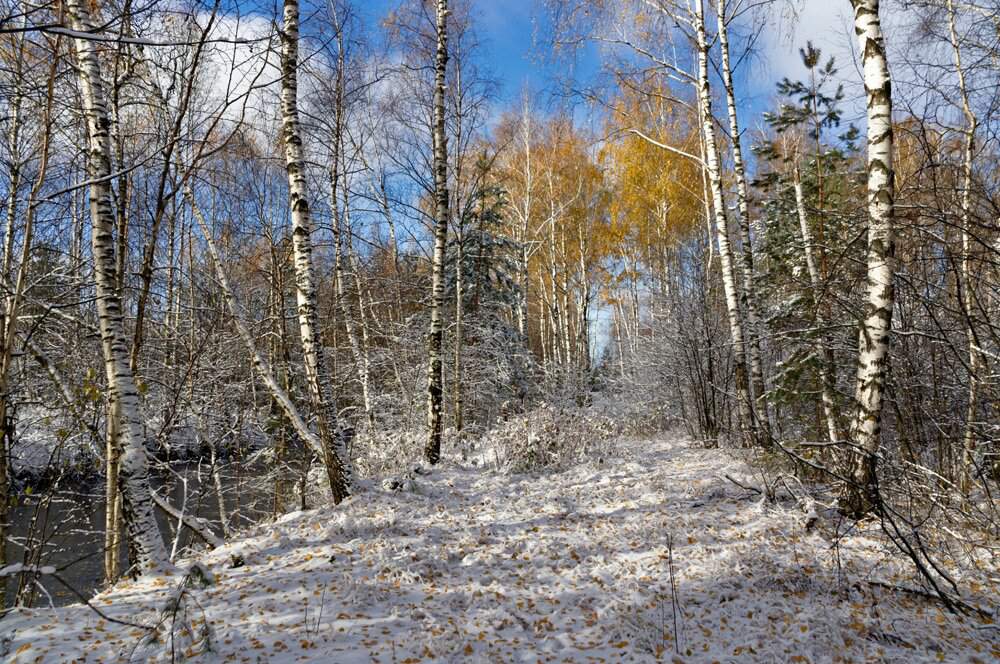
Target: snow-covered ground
{"points": [[649, 556]]}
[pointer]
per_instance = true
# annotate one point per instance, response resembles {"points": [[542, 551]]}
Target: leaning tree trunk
{"points": [[435, 339], [334, 453], [748, 424], [873, 343], [137, 501], [278, 392]]}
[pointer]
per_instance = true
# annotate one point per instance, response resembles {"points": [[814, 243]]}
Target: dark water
{"points": [[70, 523]]}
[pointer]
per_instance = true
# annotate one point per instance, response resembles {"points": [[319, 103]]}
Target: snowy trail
{"points": [[571, 567]]}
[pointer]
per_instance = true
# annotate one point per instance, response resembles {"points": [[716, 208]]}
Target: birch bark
{"points": [[748, 424], [342, 230], [358, 335], [968, 297], [333, 451], [873, 339], [821, 349], [743, 202], [435, 378], [137, 501], [525, 214]]}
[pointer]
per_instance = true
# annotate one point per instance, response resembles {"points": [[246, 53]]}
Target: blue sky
{"points": [[510, 30]]}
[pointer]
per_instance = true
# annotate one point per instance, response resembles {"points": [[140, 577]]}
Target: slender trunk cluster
{"points": [[748, 423], [278, 391], [11, 309], [8, 320], [743, 203]]}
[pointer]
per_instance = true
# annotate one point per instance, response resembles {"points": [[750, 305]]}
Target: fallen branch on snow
{"points": [[196, 525]]}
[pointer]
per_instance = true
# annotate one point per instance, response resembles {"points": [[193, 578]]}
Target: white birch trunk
{"points": [[743, 200], [556, 326], [525, 213], [435, 378], [137, 501], [822, 352], [583, 334], [458, 401], [873, 344], [342, 240], [359, 342], [744, 399], [334, 453]]}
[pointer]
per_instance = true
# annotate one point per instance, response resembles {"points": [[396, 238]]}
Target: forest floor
{"points": [[653, 555]]}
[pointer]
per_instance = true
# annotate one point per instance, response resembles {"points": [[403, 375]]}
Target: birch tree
{"points": [[743, 204], [748, 422], [968, 299], [334, 451], [873, 341], [435, 376], [827, 380], [137, 501]]}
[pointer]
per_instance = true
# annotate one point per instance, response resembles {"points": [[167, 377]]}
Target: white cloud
{"points": [[826, 23]]}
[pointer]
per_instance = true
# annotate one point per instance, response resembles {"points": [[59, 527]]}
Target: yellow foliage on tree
{"points": [[657, 192]]}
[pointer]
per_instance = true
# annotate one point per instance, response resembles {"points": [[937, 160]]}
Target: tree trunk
{"points": [[279, 354], [8, 316], [358, 335], [968, 297], [583, 334], [748, 424], [278, 393], [743, 201], [458, 401], [137, 502], [435, 378], [873, 343], [342, 230], [524, 275], [822, 349], [333, 451]]}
